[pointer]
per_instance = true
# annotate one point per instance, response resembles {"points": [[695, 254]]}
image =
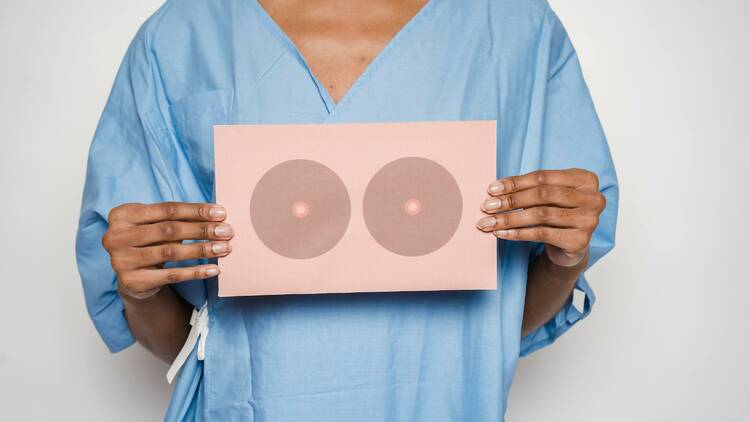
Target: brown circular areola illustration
{"points": [[412, 206], [300, 209]]}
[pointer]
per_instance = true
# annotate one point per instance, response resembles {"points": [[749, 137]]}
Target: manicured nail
{"points": [[501, 233], [492, 204], [223, 230], [217, 212], [219, 248], [495, 188], [487, 223], [212, 272]]}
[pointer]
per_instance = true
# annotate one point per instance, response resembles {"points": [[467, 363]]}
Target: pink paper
{"points": [[373, 207]]}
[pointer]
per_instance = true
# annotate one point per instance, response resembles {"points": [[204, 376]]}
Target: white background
{"points": [[668, 338]]}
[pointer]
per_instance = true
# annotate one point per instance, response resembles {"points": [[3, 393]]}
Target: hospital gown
{"points": [[418, 356]]}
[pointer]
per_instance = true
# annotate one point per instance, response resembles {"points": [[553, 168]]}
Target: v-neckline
{"points": [[333, 107]]}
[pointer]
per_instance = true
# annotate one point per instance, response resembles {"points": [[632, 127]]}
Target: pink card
{"points": [[373, 207]]}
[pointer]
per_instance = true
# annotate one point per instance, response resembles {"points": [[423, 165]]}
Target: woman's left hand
{"points": [[559, 208]]}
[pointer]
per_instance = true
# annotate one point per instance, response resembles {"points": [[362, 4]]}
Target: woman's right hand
{"points": [[142, 237]]}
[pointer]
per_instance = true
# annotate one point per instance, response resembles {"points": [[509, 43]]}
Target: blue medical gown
{"points": [[427, 356]]}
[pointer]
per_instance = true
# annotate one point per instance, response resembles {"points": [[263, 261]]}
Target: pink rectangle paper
{"points": [[372, 207]]}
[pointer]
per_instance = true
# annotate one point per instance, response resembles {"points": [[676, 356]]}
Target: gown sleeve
{"points": [[126, 164], [571, 137]]}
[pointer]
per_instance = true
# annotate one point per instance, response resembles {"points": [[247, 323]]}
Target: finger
{"points": [[166, 211], [538, 216], [137, 258], [569, 240], [557, 196], [173, 231], [149, 279], [573, 178]]}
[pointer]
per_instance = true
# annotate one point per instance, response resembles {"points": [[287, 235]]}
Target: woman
{"points": [[360, 357]]}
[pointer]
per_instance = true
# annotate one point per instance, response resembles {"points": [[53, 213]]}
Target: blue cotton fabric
{"points": [[428, 356]]}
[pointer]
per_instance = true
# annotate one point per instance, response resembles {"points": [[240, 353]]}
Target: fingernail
{"points": [[495, 188], [492, 204], [501, 233], [223, 230], [487, 223], [212, 272], [219, 248], [217, 212]]}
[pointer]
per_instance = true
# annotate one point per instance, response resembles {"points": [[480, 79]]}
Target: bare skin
{"points": [[559, 208], [140, 240], [338, 39]]}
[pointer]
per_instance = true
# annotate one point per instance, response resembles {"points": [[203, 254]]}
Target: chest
{"points": [[338, 38], [304, 65]]}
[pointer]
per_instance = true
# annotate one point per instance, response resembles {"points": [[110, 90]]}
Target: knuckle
{"points": [[170, 210], [168, 230], [123, 212], [145, 254], [205, 250], [107, 241], [172, 276], [503, 220], [510, 202], [600, 202], [542, 233], [589, 178], [542, 214], [593, 179], [117, 262], [201, 212], [544, 193], [117, 213], [168, 252], [197, 273], [114, 215], [205, 230], [513, 183], [540, 177]]}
